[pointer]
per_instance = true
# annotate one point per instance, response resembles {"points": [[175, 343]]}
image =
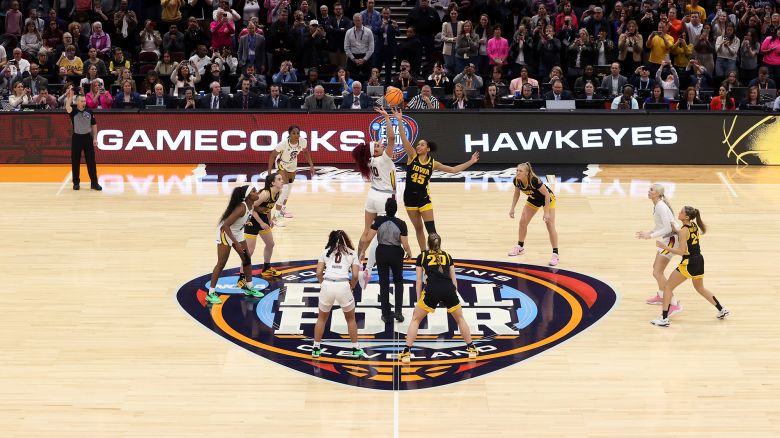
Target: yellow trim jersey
{"points": [[532, 190], [418, 174]]}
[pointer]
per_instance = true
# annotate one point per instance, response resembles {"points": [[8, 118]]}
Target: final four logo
{"points": [[515, 312], [378, 130]]}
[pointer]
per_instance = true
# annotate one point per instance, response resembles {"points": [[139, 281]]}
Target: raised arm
{"points": [[410, 152], [460, 167], [390, 131], [69, 100]]}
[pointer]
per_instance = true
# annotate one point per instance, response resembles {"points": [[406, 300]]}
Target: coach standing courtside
{"points": [[84, 137]]}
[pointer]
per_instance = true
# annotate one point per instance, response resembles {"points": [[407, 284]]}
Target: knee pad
{"points": [[430, 227]]}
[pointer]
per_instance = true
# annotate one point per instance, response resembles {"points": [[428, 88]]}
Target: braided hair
{"points": [[338, 241]]}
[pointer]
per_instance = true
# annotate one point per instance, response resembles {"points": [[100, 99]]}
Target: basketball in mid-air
{"points": [[394, 96]]}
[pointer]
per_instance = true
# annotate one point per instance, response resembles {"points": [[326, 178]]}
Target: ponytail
{"points": [[659, 188], [362, 154], [434, 246], [695, 215], [338, 241]]}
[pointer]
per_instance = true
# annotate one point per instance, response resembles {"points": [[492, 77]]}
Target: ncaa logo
{"points": [[514, 311], [377, 129]]}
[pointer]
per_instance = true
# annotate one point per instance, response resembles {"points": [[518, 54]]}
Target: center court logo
{"points": [[515, 312], [377, 129]]}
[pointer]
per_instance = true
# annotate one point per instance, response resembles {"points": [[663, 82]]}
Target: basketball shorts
{"points": [[668, 241], [287, 167], [537, 204], [336, 292], [224, 239], [252, 228], [440, 292], [420, 201], [375, 203], [692, 267]]}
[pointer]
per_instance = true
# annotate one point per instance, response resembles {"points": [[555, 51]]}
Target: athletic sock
{"points": [[665, 313], [717, 303], [470, 345], [266, 266], [555, 250], [316, 344], [520, 243], [355, 345], [250, 285], [371, 254], [406, 349], [660, 293], [213, 290], [674, 301]]}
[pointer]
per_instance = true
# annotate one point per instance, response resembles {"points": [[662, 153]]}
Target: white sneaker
{"points": [[517, 250], [724, 312], [554, 260], [278, 220], [660, 322]]}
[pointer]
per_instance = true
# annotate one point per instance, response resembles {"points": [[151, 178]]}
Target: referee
{"points": [[84, 138]]}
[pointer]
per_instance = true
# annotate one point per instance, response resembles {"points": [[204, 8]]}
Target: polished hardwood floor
{"points": [[94, 343]]}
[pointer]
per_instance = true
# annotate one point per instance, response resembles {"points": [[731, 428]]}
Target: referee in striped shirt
{"points": [[424, 100], [84, 139]]}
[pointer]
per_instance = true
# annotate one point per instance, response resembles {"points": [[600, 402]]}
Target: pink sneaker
{"points": [[673, 310], [517, 250], [655, 300], [554, 260], [286, 214]]}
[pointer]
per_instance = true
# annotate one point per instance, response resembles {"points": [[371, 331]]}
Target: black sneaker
{"points": [[76, 186], [399, 316], [95, 186]]}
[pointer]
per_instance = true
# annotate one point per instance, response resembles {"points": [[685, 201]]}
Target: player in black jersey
{"points": [[691, 266], [419, 169], [539, 196], [261, 224], [441, 286]]}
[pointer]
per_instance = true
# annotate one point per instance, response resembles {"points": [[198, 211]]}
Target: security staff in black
{"points": [[84, 139], [391, 234]]}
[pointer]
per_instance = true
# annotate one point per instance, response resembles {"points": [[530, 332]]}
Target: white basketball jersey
{"points": [[288, 153], [382, 173], [338, 266]]}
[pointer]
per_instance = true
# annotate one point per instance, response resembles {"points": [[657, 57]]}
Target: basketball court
{"points": [[96, 341]]}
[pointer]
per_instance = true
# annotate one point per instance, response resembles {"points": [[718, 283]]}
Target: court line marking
{"points": [[727, 184], [64, 183]]}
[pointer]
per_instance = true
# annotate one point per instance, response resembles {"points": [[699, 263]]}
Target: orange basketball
{"points": [[394, 96]]}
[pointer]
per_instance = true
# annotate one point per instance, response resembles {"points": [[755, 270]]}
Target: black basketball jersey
{"points": [[431, 261], [269, 204], [532, 189], [418, 174], [693, 240]]}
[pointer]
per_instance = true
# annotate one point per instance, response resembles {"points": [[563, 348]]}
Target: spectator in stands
{"points": [[466, 47], [173, 40], [427, 24], [222, 30], [630, 47], [319, 101], [159, 98], [579, 54], [770, 49], [660, 44], [245, 98], [626, 100], [98, 97], [666, 77], [52, 16], [313, 48], [280, 40], [127, 98], [251, 49], [731, 80], [657, 96], [21, 96], [46, 65], [119, 62], [540, 20], [275, 99], [776, 105], [185, 75], [438, 78], [200, 59], [596, 23], [43, 97], [469, 79], [517, 84], [558, 92], [459, 99], [682, 51], [92, 59], [227, 62], [69, 61], [588, 76], [13, 20], [359, 47], [374, 81], [125, 22], [521, 50], [567, 34], [194, 37], [224, 8], [763, 81], [336, 28], [287, 73], [35, 81], [753, 98], [689, 99], [723, 101], [386, 45], [214, 74], [491, 97], [342, 77], [99, 39], [410, 49], [257, 82], [748, 56], [31, 41], [641, 79], [497, 79], [215, 100], [312, 80], [548, 49], [149, 82], [67, 40], [726, 50], [699, 77], [604, 50], [450, 30], [405, 77], [171, 13], [251, 11], [424, 100], [483, 31], [497, 49], [91, 76], [357, 99], [614, 82], [675, 25], [189, 101], [125, 74], [52, 36], [166, 66], [149, 38], [566, 17], [80, 39], [589, 92]]}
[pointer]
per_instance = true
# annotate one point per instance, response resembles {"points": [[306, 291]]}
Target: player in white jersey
{"points": [[285, 158], [230, 234], [334, 267], [664, 219], [375, 162]]}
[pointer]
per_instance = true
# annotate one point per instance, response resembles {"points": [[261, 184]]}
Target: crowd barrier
{"points": [[501, 137]]}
